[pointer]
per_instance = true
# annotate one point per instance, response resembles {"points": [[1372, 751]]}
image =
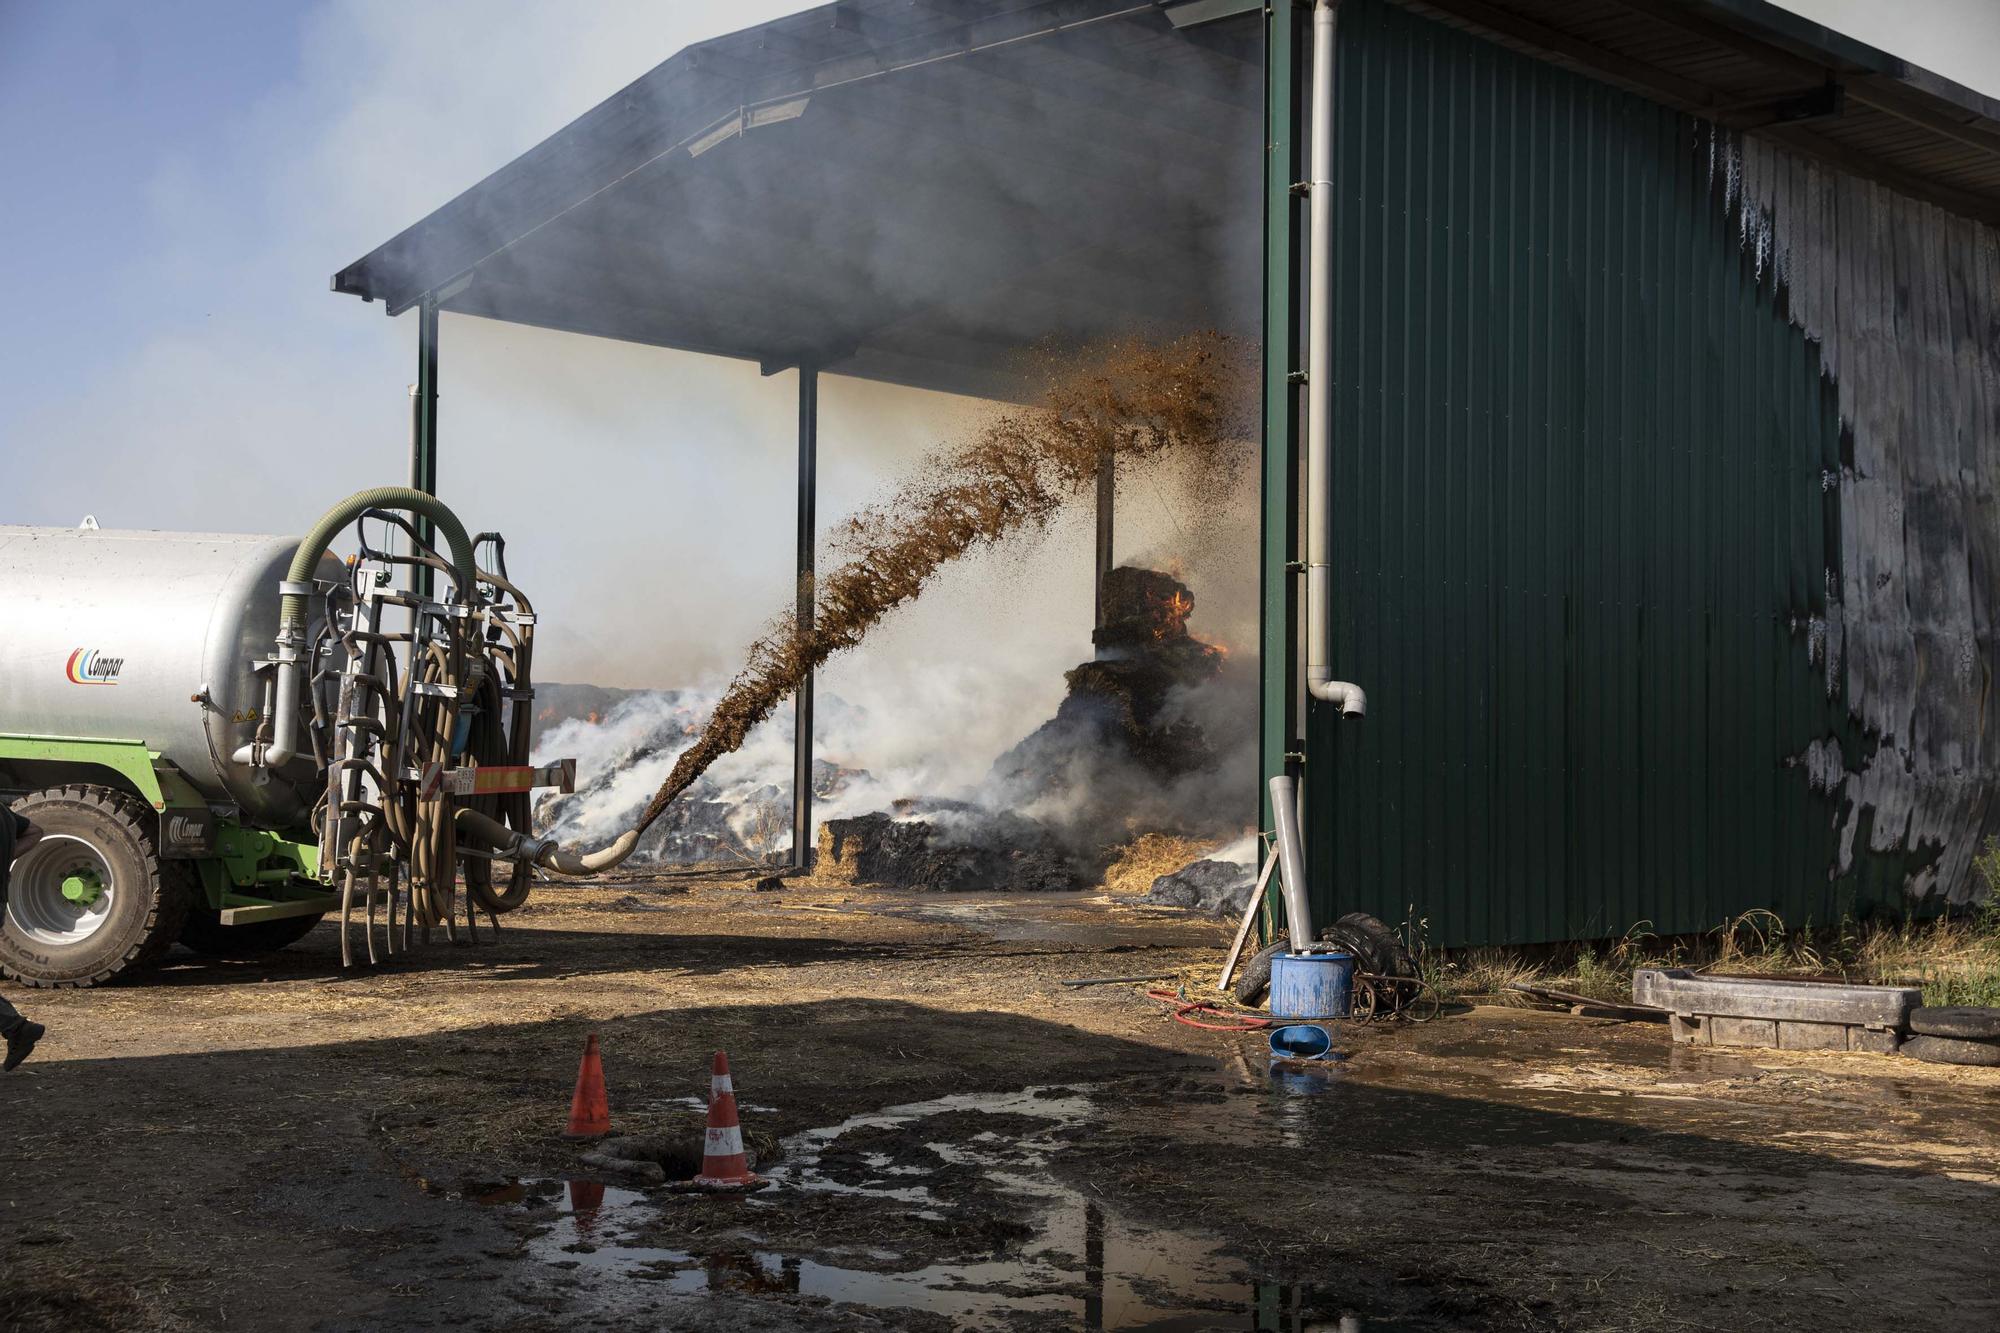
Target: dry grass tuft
{"points": [[1483, 974], [1955, 959]]}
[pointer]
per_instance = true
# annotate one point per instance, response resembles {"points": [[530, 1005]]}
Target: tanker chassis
{"points": [[225, 738]]}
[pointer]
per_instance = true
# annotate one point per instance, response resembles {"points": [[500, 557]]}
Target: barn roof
{"points": [[916, 190]]}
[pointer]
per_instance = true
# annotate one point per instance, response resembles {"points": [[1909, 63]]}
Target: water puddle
{"points": [[695, 1102], [915, 1173]]}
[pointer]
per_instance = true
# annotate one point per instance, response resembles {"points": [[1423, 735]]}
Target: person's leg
{"points": [[21, 1035]]}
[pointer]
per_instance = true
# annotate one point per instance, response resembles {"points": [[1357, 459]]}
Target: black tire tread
{"points": [[1961, 1021], [1375, 947], [1255, 978], [1951, 1051], [170, 900]]}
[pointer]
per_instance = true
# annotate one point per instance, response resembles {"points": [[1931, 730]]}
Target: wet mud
{"points": [[954, 1140]]}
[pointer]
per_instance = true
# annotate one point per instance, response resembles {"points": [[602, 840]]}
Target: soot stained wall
{"points": [[1661, 536]]}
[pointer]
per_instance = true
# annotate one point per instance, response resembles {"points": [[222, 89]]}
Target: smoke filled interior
{"points": [[923, 197]]}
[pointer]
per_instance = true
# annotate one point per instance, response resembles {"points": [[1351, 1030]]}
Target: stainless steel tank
{"points": [[110, 635]]}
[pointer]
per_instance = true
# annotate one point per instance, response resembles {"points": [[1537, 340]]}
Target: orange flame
{"points": [[1174, 613]]}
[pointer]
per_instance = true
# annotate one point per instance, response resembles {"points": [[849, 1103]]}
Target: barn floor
{"points": [[958, 1140]]}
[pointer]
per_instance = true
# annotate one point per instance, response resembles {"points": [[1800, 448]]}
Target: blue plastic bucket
{"points": [[1311, 985], [1301, 1041]]}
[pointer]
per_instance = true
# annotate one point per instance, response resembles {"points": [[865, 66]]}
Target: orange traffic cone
{"points": [[724, 1165], [589, 1108]]}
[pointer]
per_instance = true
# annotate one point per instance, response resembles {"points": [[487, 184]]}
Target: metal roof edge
{"points": [[1797, 31], [392, 274]]}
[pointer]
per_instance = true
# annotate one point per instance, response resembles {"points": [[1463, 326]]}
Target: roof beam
{"points": [[1982, 207], [1608, 65], [1893, 99], [1874, 90], [1703, 101]]}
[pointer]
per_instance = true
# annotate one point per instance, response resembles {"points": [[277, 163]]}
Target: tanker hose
{"points": [[546, 852], [464, 572], [291, 646]]}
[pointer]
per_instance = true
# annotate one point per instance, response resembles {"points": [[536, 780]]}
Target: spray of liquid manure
{"points": [[1140, 403]]}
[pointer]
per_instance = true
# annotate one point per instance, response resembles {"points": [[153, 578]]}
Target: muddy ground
{"points": [[955, 1140]]}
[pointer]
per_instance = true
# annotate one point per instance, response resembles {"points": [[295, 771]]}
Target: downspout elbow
{"points": [[1345, 695]]}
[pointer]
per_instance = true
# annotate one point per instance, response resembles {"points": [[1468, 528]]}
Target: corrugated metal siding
{"points": [[1584, 532], [1903, 300]]}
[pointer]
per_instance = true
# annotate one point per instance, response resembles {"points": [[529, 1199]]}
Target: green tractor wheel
{"points": [[88, 900]]}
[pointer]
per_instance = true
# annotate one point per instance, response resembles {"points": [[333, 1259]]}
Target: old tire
{"points": [[1964, 1022], [1375, 947], [1951, 1051], [97, 844], [1255, 978], [207, 936]]}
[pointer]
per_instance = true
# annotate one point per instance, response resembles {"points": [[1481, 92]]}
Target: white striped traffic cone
{"points": [[724, 1165]]}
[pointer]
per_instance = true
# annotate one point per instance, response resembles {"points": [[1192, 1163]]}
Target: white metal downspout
{"points": [[1318, 480], [1320, 683]]}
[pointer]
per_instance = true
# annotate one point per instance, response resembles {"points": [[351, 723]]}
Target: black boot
{"points": [[21, 1041]]}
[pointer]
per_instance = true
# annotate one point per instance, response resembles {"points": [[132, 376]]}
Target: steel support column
{"points": [[1107, 503], [802, 701], [423, 427], [1279, 715]]}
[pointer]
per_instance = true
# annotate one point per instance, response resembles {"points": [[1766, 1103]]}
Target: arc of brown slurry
{"points": [[1137, 400]]}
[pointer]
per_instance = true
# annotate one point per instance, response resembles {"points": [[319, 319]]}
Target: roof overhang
{"points": [[918, 191], [911, 193]]}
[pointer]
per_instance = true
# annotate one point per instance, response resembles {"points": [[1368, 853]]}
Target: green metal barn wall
{"points": [[1584, 538]]}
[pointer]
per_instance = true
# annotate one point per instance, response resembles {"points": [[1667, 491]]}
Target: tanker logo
{"points": [[89, 666]]}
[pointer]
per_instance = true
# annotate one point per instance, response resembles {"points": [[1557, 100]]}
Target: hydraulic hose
{"points": [[464, 572], [290, 654], [546, 852]]}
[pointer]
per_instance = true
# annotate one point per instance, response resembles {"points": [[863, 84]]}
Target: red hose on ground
{"points": [[1182, 1008]]}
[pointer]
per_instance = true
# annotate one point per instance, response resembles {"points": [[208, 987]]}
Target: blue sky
{"points": [[98, 102], [182, 179]]}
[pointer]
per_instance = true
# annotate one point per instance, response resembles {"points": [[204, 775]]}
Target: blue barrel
{"points": [[1311, 985]]}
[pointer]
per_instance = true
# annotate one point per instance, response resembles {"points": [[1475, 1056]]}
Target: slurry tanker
{"points": [[222, 739]]}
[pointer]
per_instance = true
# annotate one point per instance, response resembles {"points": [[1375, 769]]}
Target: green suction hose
{"points": [[292, 609]]}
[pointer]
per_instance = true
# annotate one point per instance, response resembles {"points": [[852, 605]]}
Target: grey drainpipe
{"points": [[1320, 683]]}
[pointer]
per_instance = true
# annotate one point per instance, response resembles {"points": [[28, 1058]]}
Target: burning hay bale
{"points": [[1119, 738], [1121, 754]]}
